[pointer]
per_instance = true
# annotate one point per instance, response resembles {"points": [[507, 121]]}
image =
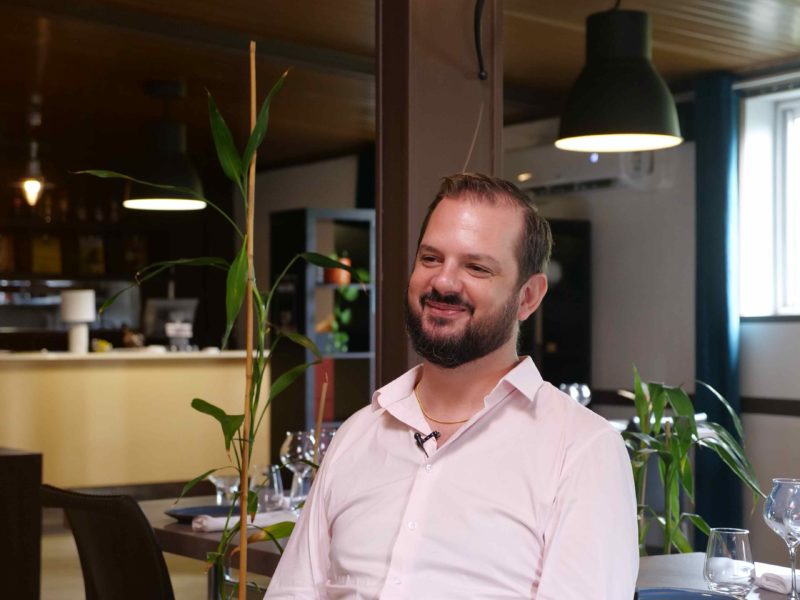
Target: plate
{"points": [[677, 594], [185, 515]]}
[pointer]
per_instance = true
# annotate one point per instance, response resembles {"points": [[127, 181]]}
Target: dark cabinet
{"points": [[558, 335]]}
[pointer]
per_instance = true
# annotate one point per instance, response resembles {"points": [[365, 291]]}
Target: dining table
{"points": [[683, 571]]}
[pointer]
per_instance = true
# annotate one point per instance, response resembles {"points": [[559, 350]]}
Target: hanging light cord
{"points": [[483, 75]]}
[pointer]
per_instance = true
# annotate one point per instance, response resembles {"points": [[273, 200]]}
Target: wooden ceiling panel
{"points": [[89, 61]]}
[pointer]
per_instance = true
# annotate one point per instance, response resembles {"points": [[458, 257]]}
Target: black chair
{"points": [[119, 554]]}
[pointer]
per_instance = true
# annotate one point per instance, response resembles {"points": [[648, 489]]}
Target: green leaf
{"points": [[260, 129], [698, 522], [345, 316], [731, 460], [113, 298], [679, 401], [184, 190], [737, 423], [734, 448], [648, 440], [348, 292], [687, 477], [154, 269], [641, 403], [287, 378], [362, 275], [252, 502], [280, 530], [195, 481], [230, 423], [679, 540], [235, 289], [229, 158], [104, 174], [320, 260], [301, 340], [658, 401]]}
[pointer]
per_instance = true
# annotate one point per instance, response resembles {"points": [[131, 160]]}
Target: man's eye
{"points": [[479, 269], [427, 259]]}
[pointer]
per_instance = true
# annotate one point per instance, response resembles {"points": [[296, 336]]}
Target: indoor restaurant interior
{"points": [[679, 262]]}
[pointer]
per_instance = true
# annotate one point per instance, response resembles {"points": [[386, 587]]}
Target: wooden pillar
{"points": [[432, 106], [20, 521]]}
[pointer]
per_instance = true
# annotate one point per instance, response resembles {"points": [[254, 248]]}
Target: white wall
{"points": [[643, 253]]}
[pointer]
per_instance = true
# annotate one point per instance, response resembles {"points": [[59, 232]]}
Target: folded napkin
{"points": [[207, 523], [774, 582]]}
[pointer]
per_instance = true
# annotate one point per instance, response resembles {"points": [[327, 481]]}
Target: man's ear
{"points": [[531, 294]]}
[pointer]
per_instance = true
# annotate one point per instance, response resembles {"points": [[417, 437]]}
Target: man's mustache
{"points": [[451, 299]]}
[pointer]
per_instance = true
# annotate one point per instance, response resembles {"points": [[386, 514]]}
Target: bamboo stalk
{"points": [[245, 443], [320, 412]]}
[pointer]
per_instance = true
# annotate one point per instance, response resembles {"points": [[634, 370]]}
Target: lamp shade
{"points": [[619, 103], [78, 306], [169, 164]]}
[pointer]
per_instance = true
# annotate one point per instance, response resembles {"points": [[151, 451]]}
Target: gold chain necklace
{"points": [[430, 418]]}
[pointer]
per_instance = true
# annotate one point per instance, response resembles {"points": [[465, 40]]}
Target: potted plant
{"points": [[262, 337], [670, 440]]}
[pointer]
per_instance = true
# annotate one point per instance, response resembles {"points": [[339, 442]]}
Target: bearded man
{"points": [[469, 476]]}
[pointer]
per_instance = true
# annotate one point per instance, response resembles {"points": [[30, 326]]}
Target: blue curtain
{"points": [[719, 497]]}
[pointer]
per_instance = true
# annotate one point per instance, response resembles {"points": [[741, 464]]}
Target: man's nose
{"points": [[447, 279]]}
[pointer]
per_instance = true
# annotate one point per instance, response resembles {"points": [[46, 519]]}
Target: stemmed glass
{"points": [[729, 566], [782, 515], [325, 438], [296, 453], [227, 486]]}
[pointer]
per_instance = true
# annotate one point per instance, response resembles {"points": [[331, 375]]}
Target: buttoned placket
{"points": [[410, 533]]}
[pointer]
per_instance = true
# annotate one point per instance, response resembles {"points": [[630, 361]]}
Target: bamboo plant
{"points": [[670, 441], [262, 338]]}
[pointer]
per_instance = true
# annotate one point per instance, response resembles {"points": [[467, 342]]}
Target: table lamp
{"points": [[77, 311]]}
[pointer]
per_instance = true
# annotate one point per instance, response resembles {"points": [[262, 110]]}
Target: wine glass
{"points": [[729, 566], [782, 515], [227, 486], [325, 438], [296, 452], [266, 482]]}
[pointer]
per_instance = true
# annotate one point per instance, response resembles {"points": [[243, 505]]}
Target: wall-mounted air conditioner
{"points": [[547, 170]]}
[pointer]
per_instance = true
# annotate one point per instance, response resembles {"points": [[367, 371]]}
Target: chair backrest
{"points": [[119, 554]]}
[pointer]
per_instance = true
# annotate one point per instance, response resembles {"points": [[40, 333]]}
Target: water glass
{"points": [[729, 566], [782, 515], [296, 454], [266, 482], [227, 486]]}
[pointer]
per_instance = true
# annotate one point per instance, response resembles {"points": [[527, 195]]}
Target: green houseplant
{"points": [[670, 442], [262, 338]]}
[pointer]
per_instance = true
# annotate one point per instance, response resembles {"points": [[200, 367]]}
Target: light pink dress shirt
{"points": [[532, 498]]}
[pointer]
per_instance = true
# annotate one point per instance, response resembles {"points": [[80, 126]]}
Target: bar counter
{"points": [[121, 418]]}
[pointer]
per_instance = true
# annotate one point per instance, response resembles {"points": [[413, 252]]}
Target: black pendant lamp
{"points": [[619, 103], [167, 163]]}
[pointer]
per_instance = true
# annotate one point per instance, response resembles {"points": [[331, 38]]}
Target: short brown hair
{"points": [[533, 252]]}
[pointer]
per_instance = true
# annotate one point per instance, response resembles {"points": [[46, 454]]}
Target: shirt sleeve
{"points": [[303, 568], [591, 542]]}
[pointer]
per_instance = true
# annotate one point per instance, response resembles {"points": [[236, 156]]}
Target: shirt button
{"points": [[396, 580], [412, 525], [428, 467]]}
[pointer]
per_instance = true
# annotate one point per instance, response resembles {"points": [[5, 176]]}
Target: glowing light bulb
{"points": [[32, 189]]}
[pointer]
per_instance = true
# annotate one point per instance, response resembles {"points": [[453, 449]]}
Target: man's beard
{"points": [[478, 338]]}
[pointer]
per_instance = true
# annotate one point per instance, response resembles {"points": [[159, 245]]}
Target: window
{"points": [[769, 205]]}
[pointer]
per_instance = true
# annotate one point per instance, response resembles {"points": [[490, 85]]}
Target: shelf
{"points": [[349, 355], [366, 287]]}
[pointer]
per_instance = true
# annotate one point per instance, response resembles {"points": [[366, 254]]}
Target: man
{"points": [[468, 476]]}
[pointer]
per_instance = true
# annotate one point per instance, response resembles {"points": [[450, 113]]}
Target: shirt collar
{"points": [[524, 377]]}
